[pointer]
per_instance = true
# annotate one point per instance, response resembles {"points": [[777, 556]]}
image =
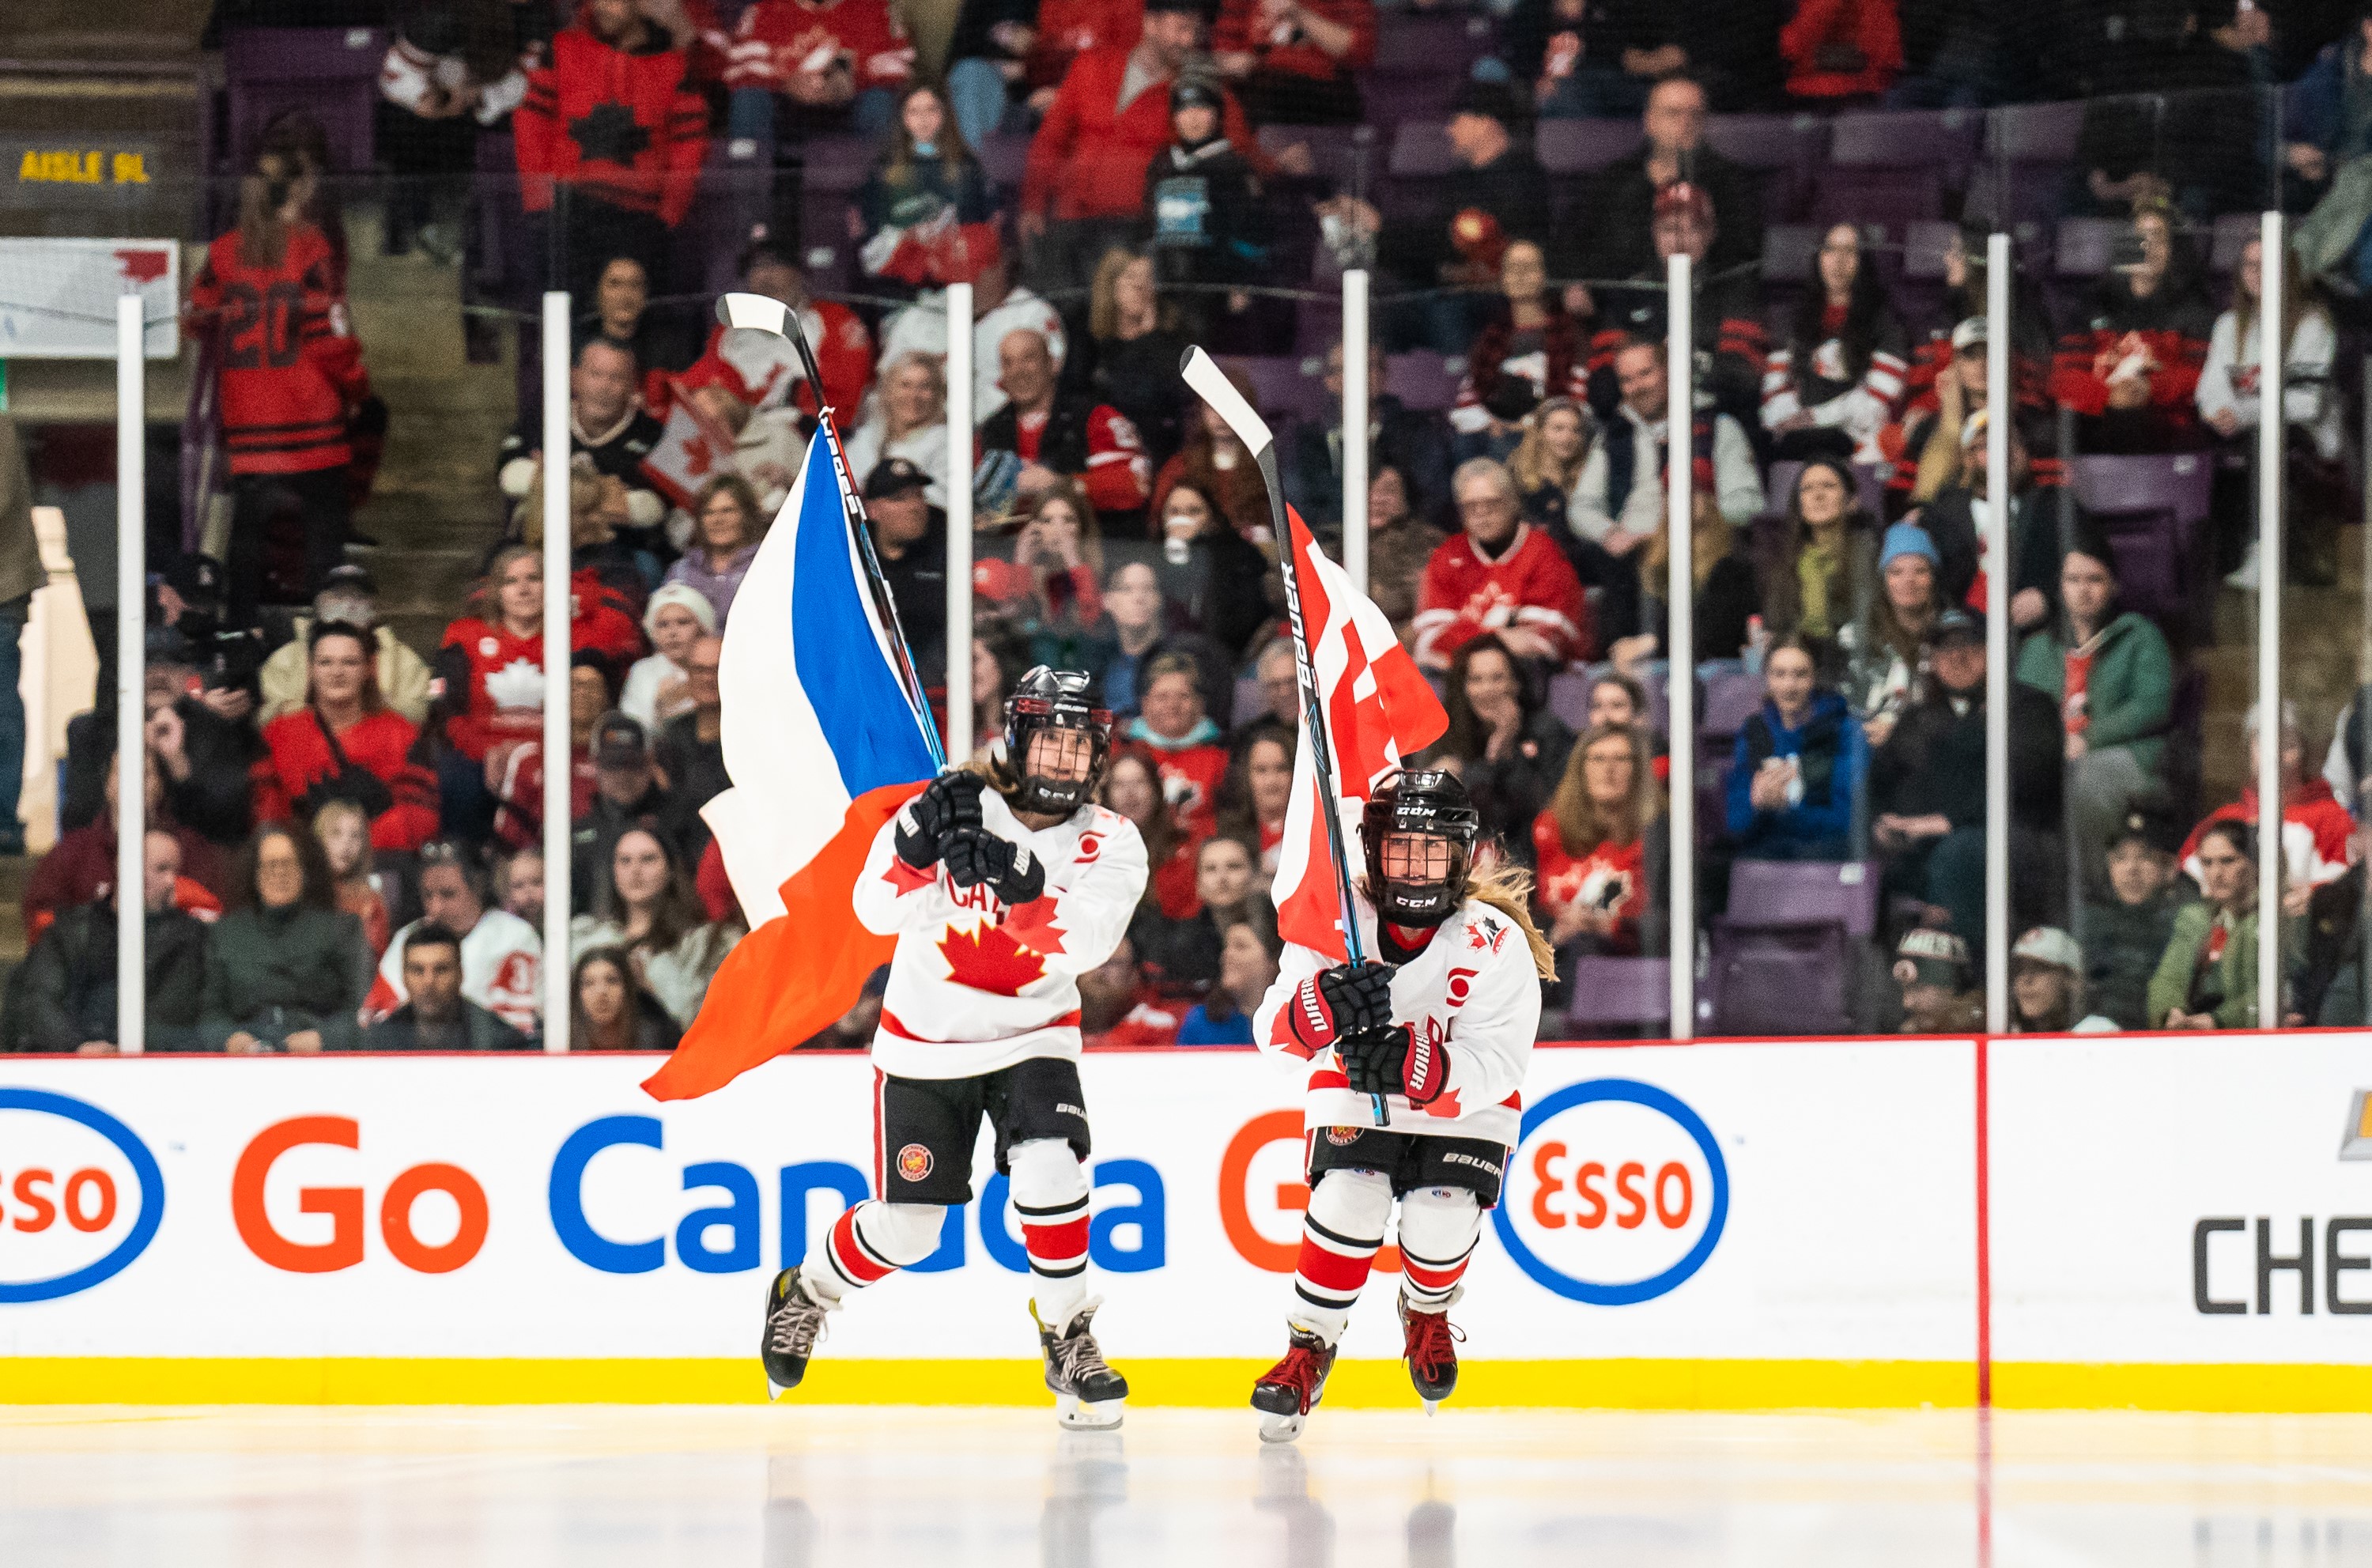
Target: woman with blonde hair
{"points": [[1725, 596], [1602, 847], [343, 830], [1547, 461], [1132, 347], [907, 419]]}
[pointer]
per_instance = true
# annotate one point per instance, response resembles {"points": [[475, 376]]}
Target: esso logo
{"points": [[80, 1195], [1617, 1193]]}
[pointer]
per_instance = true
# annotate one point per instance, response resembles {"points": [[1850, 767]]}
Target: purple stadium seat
{"points": [[1770, 141], [2177, 483], [2083, 250], [1421, 150], [1003, 156], [1885, 199], [1924, 247], [1341, 158], [1617, 995], [1774, 892], [333, 73], [2233, 232], [837, 164], [1938, 139], [1585, 147], [2152, 508], [1569, 698], [1787, 253], [2034, 133], [1779, 980], [1424, 380], [1731, 698], [1413, 44], [1283, 387]]}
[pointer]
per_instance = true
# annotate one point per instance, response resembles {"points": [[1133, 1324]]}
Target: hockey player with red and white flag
{"points": [[1412, 1059]]}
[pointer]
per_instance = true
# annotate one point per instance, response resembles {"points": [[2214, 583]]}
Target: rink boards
{"points": [[2180, 1223]]}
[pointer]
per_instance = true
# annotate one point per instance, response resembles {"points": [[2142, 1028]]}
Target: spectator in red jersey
{"points": [[289, 372], [80, 866], [1010, 55], [1049, 589], [1084, 190], [1501, 574], [614, 120], [515, 768], [1842, 53], [796, 68], [1059, 435], [1292, 62], [1529, 350], [1133, 787], [490, 671], [1177, 735], [1117, 1009], [2316, 845], [1215, 464], [2132, 372], [346, 744], [1259, 785], [1837, 380], [1603, 848], [768, 365]]}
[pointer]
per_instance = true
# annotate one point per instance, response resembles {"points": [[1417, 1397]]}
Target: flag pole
{"points": [[760, 313], [1203, 374]]}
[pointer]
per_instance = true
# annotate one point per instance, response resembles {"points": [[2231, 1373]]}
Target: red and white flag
{"points": [[692, 449], [1378, 710]]}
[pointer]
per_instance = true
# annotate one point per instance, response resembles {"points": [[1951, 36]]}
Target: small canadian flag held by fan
{"points": [[692, 449]]}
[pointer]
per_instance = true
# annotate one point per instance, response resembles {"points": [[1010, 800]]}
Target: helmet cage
{"points": [[1430, 803], [1044, 700]]}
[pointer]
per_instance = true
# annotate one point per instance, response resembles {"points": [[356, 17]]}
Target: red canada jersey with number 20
{"points": [[288, 367]]}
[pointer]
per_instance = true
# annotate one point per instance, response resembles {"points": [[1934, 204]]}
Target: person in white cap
{"points": [[2046, 986], [659, 687]]}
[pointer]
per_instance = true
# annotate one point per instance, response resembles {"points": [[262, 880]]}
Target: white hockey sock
{"points": [[868, 1244], [1439, 1226], [1050, 1195], [1340, 1233]]}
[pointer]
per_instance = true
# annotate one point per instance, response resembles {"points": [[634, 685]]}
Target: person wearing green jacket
{"points": [[286, 970], [2112, 676], [2208, 978]]}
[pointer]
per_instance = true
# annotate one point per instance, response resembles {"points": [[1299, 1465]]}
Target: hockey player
{"points": [[1003, 885], [1441, 1024]]}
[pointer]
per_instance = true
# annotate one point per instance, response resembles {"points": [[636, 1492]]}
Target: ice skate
{"points": [[1087, 1392], [1428, 1344], [1289, 1391], [794, 1324]]}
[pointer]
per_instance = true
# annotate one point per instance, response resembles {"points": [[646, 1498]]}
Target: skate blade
{"points": [[1081, 1415], [776, 1390], [1280, 1428], [1431, 1405]]}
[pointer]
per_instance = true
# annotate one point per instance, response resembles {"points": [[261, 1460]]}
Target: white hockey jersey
{"points": [[1472, 989], [501, 968], [975, 986]]}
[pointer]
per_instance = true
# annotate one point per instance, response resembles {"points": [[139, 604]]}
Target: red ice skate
{"points": [[1429, 1345], [1289, 1391]]}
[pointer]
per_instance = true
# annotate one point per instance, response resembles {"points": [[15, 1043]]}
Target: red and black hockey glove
{"points": [[1393, 1060], [949, 801], [1337, 1002], [975, 855]]}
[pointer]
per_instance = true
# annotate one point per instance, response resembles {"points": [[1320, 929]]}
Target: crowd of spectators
{"points": [[345, 836]]}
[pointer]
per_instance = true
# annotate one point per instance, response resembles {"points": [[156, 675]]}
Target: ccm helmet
{"points": [[1055, 700], [1426, 801]]}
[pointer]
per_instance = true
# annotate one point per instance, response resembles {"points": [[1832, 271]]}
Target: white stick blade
{"points": [[1202, 374], [755, 311]]}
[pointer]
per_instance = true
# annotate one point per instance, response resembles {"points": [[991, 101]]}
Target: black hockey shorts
{"points": [[1411, 1160], [924, 1129]]}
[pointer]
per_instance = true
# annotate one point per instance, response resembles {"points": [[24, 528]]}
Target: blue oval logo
{"points": [[1625, 1201], [144, 1167]]}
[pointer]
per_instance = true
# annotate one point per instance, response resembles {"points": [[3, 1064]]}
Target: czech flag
{"points": [[823, 748], [1378, 710]]}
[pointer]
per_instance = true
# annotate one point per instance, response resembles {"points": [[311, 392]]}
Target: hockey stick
{"points": [[1203, 374], [760, 313]]}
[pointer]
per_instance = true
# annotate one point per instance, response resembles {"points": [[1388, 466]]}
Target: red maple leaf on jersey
{"points": [[1446, 1106], [1032, 926], [990, 959], [906, 878]]}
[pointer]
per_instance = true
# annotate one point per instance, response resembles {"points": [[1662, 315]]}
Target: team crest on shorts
{"points": [[914, 1162], [1342, 1137]]}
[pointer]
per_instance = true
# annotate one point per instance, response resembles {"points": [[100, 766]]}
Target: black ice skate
{"points": [[1428, 1344], [1289, 1391], [794, 1324], [1087, 1392]]}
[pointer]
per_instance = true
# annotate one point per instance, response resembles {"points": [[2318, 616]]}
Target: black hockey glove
{"points": [[949, 801], [1393, 1060], [975, 855], [1339, 1001]]}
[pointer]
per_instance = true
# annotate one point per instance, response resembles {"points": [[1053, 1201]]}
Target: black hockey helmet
{"points": [[1055, 699], [1430, 801]]}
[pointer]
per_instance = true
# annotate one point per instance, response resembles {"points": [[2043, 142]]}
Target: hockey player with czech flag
{"points": [[1406, 1000], [987, 890]]}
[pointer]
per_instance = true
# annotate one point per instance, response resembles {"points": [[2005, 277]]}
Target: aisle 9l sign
{"points": [[80, 1195], [1616, 1195]]}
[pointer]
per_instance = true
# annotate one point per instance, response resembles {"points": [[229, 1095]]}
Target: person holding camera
{"points": [[346, 744]]}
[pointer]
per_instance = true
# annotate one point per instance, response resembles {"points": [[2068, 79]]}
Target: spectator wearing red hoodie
{"points": [[1842, 52], [289, 373], [346, 744], [1502, 574], [1291, 60], [2130, 369], [1083, 191], [799, 67], [614, 120]]}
